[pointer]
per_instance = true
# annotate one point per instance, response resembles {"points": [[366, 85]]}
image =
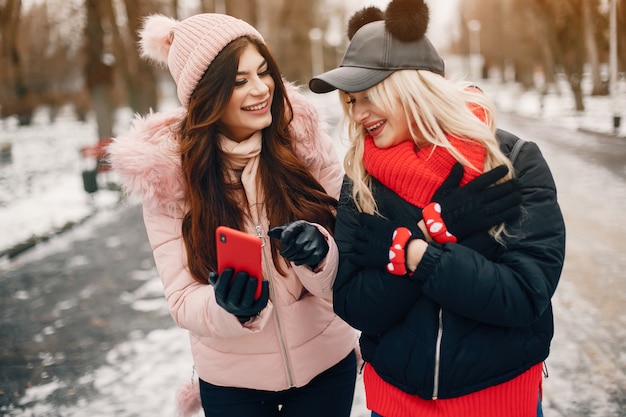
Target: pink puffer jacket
{"points": [[297, 336]]}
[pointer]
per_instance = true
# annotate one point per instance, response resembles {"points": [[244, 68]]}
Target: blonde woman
{"points": [[447, 262]]}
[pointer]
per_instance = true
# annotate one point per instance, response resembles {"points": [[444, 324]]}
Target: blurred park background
{"points": [[83, 53], [85, 329]]}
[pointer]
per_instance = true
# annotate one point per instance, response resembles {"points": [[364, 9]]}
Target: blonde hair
{"points": [[433, 107]]}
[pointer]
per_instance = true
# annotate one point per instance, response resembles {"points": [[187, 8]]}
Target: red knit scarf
{"points": [[415, 175]]}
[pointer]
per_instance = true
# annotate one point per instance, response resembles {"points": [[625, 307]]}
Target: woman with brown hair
{"points": [[244, 150]]}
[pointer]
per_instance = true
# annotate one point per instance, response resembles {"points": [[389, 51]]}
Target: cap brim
{"points": [[348, 79]]}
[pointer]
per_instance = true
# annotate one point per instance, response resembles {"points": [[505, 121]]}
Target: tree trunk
{"points": [[545, 31], [268, 23], [296, 21], [101, 99], [242, 9], [573, 45], [14, 92], [138, 74], [98, 74], [564, 24], [575, 82], [621, 35], [589, 30]]}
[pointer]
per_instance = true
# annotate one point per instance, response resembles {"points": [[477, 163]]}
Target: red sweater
{"points": [[514, 398]]}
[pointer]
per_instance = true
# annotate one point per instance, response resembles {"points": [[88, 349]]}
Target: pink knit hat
{"points": [[188, 47]]}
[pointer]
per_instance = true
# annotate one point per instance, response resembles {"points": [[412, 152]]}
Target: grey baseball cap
{"points": [[373, 55]]}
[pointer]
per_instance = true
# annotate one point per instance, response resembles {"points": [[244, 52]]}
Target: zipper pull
{"points": [[259, 234]]}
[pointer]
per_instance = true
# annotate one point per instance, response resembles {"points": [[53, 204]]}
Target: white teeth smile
{"points": [[376, 126], [257, 107]]}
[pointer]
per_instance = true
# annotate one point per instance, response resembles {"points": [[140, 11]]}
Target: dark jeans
{"points": [[329, 394]]}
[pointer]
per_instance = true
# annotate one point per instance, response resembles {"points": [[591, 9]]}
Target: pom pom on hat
{"points": [[379, 47], [407, 20], [190, 46], [155, 38], [362, 18]]}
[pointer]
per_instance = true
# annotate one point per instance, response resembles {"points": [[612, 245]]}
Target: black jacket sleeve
{"points": [[369, 299], [514, 288]]}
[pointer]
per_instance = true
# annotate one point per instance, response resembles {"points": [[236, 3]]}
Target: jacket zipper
{"points": [[438, 356], [279, 328]]}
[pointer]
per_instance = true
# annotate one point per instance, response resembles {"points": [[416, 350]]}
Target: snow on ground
{"points": [[41, 193]]}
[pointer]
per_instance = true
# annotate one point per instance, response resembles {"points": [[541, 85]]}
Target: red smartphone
{"points": [[240, 251]]}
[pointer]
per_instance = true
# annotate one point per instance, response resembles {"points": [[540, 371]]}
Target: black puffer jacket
{"points": [[474, 314]]}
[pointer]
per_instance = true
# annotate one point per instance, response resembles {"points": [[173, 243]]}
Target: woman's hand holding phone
{"points": [[241, 252], [235, 293], [239, 285]]}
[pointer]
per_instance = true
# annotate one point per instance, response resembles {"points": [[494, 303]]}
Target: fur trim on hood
{"points": [[147, 159]]}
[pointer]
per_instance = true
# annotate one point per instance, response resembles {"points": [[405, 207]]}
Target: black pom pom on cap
{"points": [[362, 18], [378, 48], [407, 20]]}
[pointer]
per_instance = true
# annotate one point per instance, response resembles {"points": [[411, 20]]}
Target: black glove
{"points": [[373, 238], [302, 243], [476, 206], [235, 293]]}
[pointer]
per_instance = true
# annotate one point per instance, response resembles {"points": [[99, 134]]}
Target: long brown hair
{"points": [[291, 192]]}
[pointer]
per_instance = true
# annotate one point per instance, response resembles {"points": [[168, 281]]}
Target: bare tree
{"points": [[51, 58], [14, 93], [296, 21], [143, 93], [285, 25], [570, 48], [518, 40], [546, 40], [137, 75], [621, 34], [559, 28], [98, 69], [242, 9], [590, 10], [553, 36]]}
